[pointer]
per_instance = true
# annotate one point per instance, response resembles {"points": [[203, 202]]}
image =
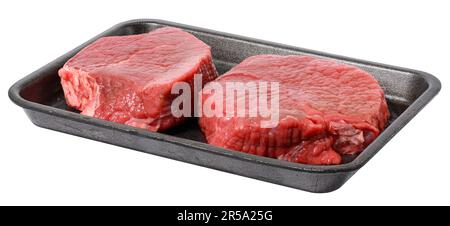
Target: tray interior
{"points": [[401, 88]]}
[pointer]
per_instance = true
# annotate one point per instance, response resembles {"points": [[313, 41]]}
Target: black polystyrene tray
{"points": [[41, 96]]}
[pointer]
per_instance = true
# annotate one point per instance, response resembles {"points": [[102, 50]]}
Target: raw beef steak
{"points": [[128, 79], [326, 110]]}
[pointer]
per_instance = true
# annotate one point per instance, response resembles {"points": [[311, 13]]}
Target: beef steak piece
{"points": [[326, 109], [128, 79]]}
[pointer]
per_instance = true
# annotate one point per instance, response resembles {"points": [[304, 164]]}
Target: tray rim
{"points": [[433, 88]]}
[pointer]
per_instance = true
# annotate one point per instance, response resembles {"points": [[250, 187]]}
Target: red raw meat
{"points": [[327, 109], [128, 79]]}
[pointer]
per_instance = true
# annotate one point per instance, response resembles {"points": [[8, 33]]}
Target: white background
{"points": [[43, 167]]}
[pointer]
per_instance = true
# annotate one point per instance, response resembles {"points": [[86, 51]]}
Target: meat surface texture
{"points": [[326, 110], [128, 79]]}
